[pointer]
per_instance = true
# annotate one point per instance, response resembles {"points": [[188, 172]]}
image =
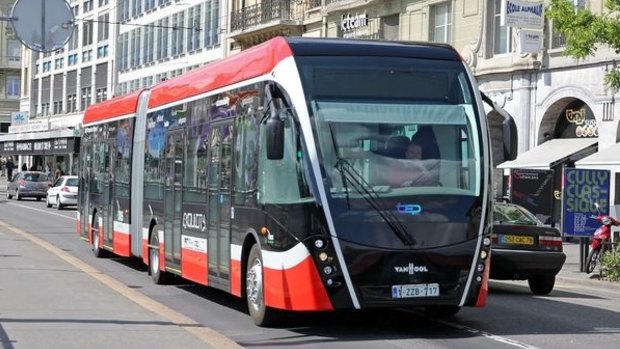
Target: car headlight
{"points": [[606, 220]]}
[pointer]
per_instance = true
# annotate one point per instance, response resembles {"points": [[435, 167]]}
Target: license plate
{"points": [[415, 290], [516, 240]]}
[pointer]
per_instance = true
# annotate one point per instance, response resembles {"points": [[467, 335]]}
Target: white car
{"points": [[63, 192]]}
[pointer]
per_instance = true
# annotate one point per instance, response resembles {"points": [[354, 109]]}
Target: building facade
{"points": [[10, 66]]}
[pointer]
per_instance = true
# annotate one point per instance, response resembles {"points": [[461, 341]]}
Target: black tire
{"points": [[541, 284], [97, 251], [8, 194], [442, 311], [58, 204], [592, 260], [38, 198], [159, 277], [47, 202], [254, 291]]}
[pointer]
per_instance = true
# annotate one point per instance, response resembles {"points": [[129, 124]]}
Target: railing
{"points": [[267, 11]]}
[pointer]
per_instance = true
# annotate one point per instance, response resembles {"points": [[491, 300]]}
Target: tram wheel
{"points": [[255, 296]]}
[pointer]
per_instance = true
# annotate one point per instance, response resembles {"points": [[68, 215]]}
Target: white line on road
{"points": [[488, 335], [44, 211]]}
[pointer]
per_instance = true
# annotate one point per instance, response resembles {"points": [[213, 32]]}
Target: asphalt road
{"points": [[574, 315]]}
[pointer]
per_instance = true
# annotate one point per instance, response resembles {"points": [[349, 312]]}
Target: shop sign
{"points": [[19, 118], [350, 22], [523, 14], [9, 146], [582, 189], [23, 146], [530, 41], [59, 144], [42, 145]]}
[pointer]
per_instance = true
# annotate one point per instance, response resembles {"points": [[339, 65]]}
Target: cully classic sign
{"points": [[583, 188]]}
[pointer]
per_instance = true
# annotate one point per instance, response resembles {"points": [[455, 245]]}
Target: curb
{"points": [[596, 283]]}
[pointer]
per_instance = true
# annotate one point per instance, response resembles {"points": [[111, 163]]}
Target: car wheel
{"points": [[254, 286], [159, 276], [541, 284], [47, 201], [97, 250], [8, 194], [58, 204]]}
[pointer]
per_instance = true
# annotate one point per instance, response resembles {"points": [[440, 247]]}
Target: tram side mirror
{"points": [[275, 138], [510, 138]]}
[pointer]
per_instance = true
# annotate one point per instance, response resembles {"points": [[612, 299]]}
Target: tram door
{"points": [[108, 193], [218, 213], [84, 208], [175, 150]]}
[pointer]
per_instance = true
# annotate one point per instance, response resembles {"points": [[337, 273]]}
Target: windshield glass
{"points": [[513, 214], [404, 126]]}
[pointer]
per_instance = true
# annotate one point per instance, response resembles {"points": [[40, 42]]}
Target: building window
{"points": [[59, 63], [85, 98], [13, 86], [57, 108], [71, 103], [14, 49], [72, 59], [103, 2], [74, 41], [88, 5], [47, 66], [193, 35], [87, 33], [103, 30], [148, 43], [135, 47], [102, 94], [87, 55], [441, 23], [162, 38], [558, 40], [502, 35], [211, 24], [45, 109], [178, 20], [102, 51]]}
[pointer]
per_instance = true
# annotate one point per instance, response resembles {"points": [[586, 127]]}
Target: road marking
{"points": [[205, 334], [488, 335], [43, 211]]}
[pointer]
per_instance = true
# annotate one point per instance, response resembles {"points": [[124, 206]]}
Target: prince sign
{"points": [[583, 188]]}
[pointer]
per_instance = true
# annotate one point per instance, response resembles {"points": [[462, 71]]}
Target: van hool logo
{"points": [[194, 221], [411, 269]]}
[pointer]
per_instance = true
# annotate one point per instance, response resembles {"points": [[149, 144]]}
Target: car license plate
{"points": [[516, 240], [415, 290]]}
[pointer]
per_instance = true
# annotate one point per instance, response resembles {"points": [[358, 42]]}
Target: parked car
{"points": [[63, 192], [523, 248], [28, 184]]}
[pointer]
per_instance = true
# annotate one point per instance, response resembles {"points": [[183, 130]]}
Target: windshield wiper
{"points": [[349, 173]]}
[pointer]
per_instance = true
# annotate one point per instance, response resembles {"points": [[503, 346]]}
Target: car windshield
{"points": [[72, 182], [35, 177], [513, 214]]}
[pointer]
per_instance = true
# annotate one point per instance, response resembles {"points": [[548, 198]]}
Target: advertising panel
{"points": [[533, 189], [583, 188], [523, 14]]}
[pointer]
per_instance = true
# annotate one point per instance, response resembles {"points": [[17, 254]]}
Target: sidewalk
{"points": [[50, 299]]}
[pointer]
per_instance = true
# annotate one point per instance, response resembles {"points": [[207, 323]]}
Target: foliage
{"points": [[585, 30], [610, 264]]}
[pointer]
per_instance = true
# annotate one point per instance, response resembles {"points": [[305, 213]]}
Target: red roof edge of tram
{"points": [[115, 107], [247, 64]]}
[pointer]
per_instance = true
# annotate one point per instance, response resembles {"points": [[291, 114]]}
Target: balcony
{"points": [[10, 62], [256, 23]]}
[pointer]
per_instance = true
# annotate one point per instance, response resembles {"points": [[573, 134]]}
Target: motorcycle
{"points": [[601, 240]]}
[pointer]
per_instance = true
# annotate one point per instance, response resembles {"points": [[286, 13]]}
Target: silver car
{"points": [[63, 192], [28, 184]]}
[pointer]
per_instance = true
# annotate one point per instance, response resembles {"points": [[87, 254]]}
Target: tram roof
{"points": [[260, 60], [115, 107]]}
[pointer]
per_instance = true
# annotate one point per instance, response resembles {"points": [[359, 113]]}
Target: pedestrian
{"points": [[24, 167], [58, 172], [9, 168], [48, 171]]}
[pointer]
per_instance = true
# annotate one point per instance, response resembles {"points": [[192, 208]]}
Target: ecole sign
{"points": [[523, 14], [350, 22]]}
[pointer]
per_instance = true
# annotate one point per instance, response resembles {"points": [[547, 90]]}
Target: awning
{"points": [[609, 156], [553, 152]]}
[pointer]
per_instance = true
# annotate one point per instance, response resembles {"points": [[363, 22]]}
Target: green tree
{"points": [[585, 31]]}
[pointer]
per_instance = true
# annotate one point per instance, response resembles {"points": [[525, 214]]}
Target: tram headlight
{"points": [[486, 241], [328, 270], [323, 256], [480, 267], [319, 243], [478, 278], [483, 254]]}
